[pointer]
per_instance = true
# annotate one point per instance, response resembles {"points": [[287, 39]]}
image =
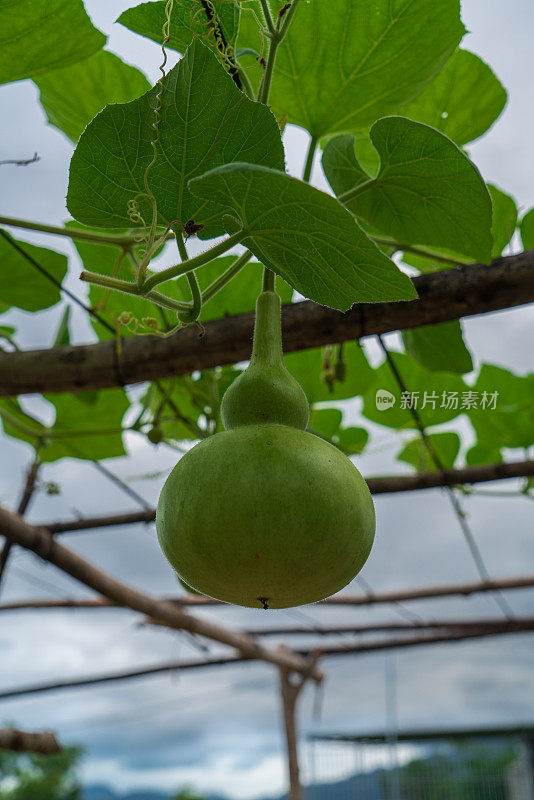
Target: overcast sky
{"points": [[219, 729]]}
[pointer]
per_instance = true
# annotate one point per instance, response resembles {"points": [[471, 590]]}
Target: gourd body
{"points": [[266, 516]]}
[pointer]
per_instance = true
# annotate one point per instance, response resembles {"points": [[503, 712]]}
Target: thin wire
{"points": [[124, 486], [405, 613], [460, 514]]}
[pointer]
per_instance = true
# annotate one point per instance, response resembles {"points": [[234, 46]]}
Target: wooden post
{"points": [[289, 690], [291, 684]]}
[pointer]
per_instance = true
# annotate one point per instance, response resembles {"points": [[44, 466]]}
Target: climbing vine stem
{"points": [[312, 147]]}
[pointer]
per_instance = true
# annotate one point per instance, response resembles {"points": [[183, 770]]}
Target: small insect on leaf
{"points": [[191, 228]]}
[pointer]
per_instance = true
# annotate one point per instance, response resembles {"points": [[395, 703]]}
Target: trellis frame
{"points": [[443, 296]]}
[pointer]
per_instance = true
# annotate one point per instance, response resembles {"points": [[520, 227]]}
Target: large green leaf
{"points": [[344, 63], [427, 192], [22, 284], [38, 36], [445, 446], [188, 19], [306, 366], [503, 225], [304, 235], [71, 97], [439, 348], [437, 396], [87, 425], [504, 219], [527, 230], [205, 122], [463, 101]]}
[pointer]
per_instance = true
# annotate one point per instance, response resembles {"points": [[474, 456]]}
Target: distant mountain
{"points": [[105, 793], [365, 785]]}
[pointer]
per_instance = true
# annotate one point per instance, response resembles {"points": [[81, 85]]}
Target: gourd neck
{"points": [[267, 343]]}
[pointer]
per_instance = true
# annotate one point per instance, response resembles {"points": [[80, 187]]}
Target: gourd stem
{"points": [[267, 345], [268, 280]]}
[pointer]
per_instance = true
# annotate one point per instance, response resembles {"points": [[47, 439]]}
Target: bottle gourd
{"points": [[265, 514]]}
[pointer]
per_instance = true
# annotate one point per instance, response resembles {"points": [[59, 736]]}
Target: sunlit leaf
{"points": [[71, 97], [427, 192], [22, 283], [37, 37], [205, 122], [304, 235], [344, 63], [463, 101]]}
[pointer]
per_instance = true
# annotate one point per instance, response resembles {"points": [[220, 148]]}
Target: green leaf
{"points": [[504, 219], [236, 297], [344, 63], [71, 97], [445, 445], [38, 36], [304, 235], [439, 348], [22, 284], [427, 192], [188, 19], [325, 421], [503, 412], [438, 396], [306, 367], [352, 440], [7, 333], [177, 416], [205, 122], [463, 101], [62, 334], [527, 230], [483, 454], [87, 425]]}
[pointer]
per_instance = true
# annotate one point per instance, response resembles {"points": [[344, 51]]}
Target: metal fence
{"points": [[428, 766]]}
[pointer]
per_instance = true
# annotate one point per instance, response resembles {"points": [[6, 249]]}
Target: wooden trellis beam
{"points": [[383, 485], [311, 653], [44, 743], [344, 598], [443, 296], [17, 530]]}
